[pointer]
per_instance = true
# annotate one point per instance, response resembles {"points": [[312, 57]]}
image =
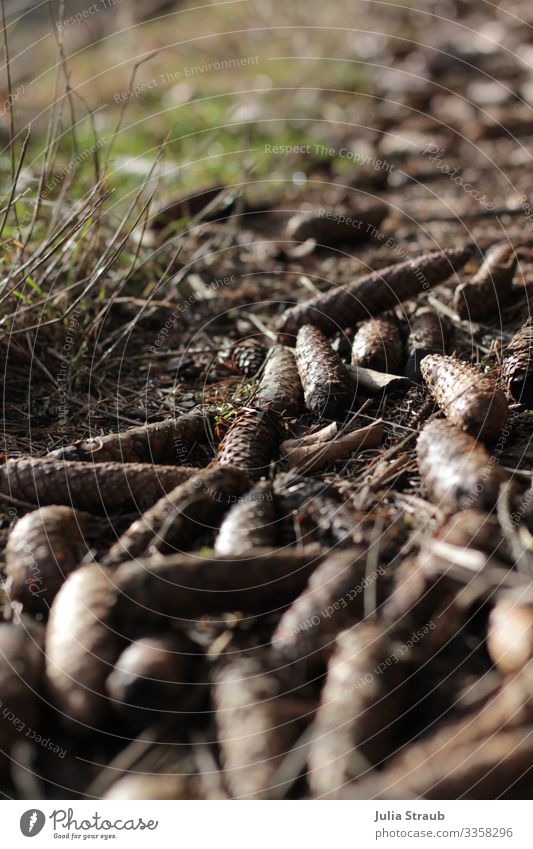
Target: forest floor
{"points": [[123, 291]]}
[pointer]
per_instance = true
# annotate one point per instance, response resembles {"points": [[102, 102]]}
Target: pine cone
{"points": [[475, 529], [429, 333], [21, 667], [248, 357], [481, 755], [150, 681], [517, 366], [470, 400], [332, 227], [169, 441], [184, 586], [177, 520], [280, 389], [485, 294], [378, 345], [361, 708], [372, 294], [456, 470], [329, 388], [333, 600], [43, 548], [82, 645], [249, 524], [259, 716], [250, 443], [95, 487]]}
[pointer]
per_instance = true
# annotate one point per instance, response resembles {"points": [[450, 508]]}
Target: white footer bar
{"points": [[268, 825]]}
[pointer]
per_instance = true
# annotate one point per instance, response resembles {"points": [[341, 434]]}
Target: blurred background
{"points": [[224, 79], [114, 111]]}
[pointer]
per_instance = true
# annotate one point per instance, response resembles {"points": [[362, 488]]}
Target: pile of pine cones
{"points": [[246, 605]]}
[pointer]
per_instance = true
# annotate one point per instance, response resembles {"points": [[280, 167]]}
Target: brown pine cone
{"points": [[259, 716], [95, 487], [470, 400], [43, 548], [162, 590], [21, 668], [457, 471], [484, 754], [332, 600], [429, 333], [182, 515], [365, 695], [280, 388], [329, 388], [250, 443], [82, 646], [372, 294], [248, 356], [169, 441], [378, 345], [151, 680], [250, 524], [478, 530], [517, 366], [330, 227], [485, 294]]}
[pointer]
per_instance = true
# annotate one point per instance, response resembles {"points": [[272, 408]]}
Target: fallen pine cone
{"points": [[82, 646], [329, 227], [434, 764], [328, 386], [184, 587], [151, 681], [248, 356], [422, 595], [250, 524], [21, 667], [280, 388], [489, 768], [372, 294], [470, 400], [360, 713], [95, 487], [517, 365], [168, 441], [485, 294], [250, 443], [182, 515], [378, 345], [456, 470], [429, 333], [259, 717], [332, 600], [43, 548]]}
